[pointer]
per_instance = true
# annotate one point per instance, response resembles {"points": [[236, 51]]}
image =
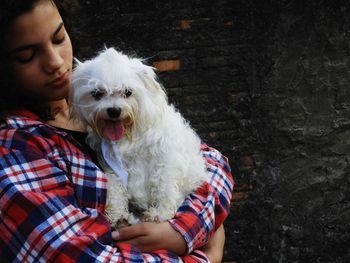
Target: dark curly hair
{"points": [[9, 98]]}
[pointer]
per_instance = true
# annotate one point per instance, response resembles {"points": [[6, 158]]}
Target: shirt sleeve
{"points": [[204, 211], [42, 221]]}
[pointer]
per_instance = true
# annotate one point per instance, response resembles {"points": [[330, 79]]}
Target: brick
{"points": [[167, 65], [185, 24], [243, 187], [228, 23], [236, 196], [232, 98], [247, 161], [212, 135]]}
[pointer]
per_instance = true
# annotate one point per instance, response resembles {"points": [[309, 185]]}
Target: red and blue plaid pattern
{"points": [[52, 201]]}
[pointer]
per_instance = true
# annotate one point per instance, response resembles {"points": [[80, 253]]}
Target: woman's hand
{"points": [[152, 236], [215, 247]]}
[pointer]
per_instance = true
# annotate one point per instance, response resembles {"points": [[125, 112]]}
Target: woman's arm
{"points": [[43, 220], [205, 210], [215, 247], [152, 236]]}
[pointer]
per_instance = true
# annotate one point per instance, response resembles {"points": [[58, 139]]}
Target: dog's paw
{"points": [[117, 216], [156, 215], [127, 219], [146, 217], [133, 220], [122, 223]]}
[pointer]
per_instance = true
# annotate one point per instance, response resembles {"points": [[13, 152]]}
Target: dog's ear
{"points": [[148, 75], [150, 79]]}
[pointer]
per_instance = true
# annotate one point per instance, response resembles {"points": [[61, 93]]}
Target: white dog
{"points": [[138, 135]]}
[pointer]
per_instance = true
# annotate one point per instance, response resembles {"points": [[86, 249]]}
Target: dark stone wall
{"points": [[266, 83], [302, 118]]}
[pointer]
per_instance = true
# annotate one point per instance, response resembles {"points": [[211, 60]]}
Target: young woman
{"points": [[52, 194]]}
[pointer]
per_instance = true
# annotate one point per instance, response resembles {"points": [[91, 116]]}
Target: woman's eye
{"points": [[24, 56], [97, 94], [59, 40], [60, 37], [128, 93]]}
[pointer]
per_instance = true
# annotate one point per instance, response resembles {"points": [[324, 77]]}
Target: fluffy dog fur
{"points": [[158, 148]]}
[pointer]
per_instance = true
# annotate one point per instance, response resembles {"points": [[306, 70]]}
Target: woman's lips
{"points": [[61, 81]]}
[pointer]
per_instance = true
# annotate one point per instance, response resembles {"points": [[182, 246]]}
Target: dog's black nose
{"points": [[113, 112]]}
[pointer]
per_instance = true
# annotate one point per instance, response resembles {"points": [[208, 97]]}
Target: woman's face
{"points": [[40, 54]]}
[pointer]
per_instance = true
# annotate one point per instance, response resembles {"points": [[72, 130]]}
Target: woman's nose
{"points": [[52, 60]]}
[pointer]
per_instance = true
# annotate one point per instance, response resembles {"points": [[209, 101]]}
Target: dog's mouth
{"points": [[113, 130]]}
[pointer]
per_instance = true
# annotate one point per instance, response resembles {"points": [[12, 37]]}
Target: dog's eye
{"points": [[97, 94], [128, 93]]}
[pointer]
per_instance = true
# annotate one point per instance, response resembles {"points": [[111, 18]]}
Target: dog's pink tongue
{"points": [[113, 130]]}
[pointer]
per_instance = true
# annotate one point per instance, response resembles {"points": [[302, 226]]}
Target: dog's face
{"points": [[114, 94]]}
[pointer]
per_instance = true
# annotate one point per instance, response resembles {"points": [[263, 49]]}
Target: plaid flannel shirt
{"points": [[52, 201]]}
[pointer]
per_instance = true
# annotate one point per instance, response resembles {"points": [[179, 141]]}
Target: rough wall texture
{"points": [[302, 119], [265, 82]]}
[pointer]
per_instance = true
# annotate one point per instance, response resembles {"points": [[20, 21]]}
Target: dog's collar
{"points": [[111, 156]]}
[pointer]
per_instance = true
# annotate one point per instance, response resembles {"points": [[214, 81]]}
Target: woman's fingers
{"points": [[130, 232]]}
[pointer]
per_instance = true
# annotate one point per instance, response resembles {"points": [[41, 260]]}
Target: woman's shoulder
{"points": [[18, 121], [26, 132]]}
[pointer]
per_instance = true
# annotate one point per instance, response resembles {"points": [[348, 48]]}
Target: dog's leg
{"points": [[165, 198], [163, 211], [117, 210]]}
